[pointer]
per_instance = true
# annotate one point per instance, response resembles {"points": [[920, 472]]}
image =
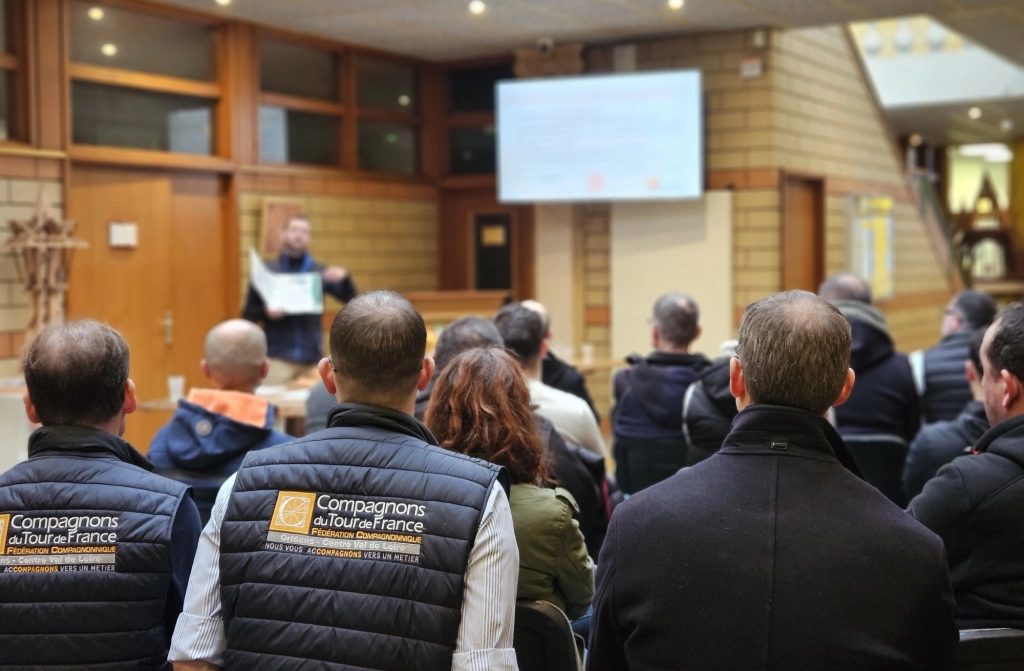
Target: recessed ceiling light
{"points": [[974, 112], [915, 140], [95, 13], [477, 7], [223, 2], [676, 4], [109, 49], [1006, 125], [404, 100]]}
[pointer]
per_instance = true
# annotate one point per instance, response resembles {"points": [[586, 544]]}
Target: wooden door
{"points": [[163, 295], [803, 234], [466, 215]]}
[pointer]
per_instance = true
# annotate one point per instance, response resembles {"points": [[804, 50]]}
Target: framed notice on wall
{"points": [[276, 214], [872, 224]]}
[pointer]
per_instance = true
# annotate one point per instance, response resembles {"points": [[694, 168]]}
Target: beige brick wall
{"points": [[18, 201], [385, 243], [594, 227]]}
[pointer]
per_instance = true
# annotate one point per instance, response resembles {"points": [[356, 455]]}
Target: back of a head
{"points": [[795, 351], [465, 334], [76, 373], [976, 307], [1006, 346], [974, 352], [234, 352], [540, 309], [677, 317], [481, 407], [378, 342], [523, 331], [845, 287]]}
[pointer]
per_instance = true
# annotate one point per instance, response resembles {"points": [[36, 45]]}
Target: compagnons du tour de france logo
{"points": [[293, 512]]}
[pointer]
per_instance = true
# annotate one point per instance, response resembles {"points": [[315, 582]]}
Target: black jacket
{"points": [[770, 555], [708, 410], [562, 376], [940, 443], [649, 394], [975, 505], [884, 400], [945, 388]]}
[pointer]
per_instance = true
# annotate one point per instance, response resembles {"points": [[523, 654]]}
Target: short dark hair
{"points": [[677, 316], [976, 307], [974, 352], [378, 342], [795, 351], [76, 373], [1006, 349], [845, 287], [464, 334], [522, 329]]}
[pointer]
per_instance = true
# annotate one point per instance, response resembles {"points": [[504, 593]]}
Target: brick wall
{"points": [[593, 224], [386, 242], [18, 201]]}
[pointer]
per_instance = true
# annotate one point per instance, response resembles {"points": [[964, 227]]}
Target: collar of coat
{"points": [[782, 431], [83, 441], [1005, 438], [377, 417]]}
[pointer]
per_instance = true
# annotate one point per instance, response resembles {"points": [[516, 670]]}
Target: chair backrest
{"points": [[990, 650], [543, 638], [880, 459], [640, 463]]}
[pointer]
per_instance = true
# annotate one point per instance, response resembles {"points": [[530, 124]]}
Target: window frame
{"points": [[18, 63]]}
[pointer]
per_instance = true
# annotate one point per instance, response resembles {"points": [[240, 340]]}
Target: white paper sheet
{"points": [[293, 293]]}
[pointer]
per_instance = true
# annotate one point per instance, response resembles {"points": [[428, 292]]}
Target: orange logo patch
{"points": [[293, 512]]}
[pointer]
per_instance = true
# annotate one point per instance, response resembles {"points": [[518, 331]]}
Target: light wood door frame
{"points": [[796, 264]]}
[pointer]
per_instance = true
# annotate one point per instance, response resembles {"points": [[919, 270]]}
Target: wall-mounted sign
{"points": [[123, 235], [872, 230], [752, 67]]}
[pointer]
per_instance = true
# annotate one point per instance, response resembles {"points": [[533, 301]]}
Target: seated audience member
{"points": [[119, 540], [771, 554], [709, 408], [557, 373], [938, 372], [213, 430], [571, 467], [974, 503], [524, 334], [481, 407], [649, 394], [940, 443], [318, 407], [440, 597]]}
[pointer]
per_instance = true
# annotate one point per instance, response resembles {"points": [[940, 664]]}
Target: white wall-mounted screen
{"points": [[601, 138]]}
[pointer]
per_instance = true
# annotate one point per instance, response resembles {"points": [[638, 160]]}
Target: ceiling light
{"points": [[109, 49], [95, 13], [974, 113], [915, 140], [993, 152], [477, 7], [223, 2], [404, 101], [1006, 125], [676, 4]]}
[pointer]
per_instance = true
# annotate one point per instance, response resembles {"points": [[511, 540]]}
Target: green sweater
{"points": [[553, 562]]}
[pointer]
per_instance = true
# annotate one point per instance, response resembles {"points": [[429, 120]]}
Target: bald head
{"points": [[845, 287], [235, 355], [540, 309]]}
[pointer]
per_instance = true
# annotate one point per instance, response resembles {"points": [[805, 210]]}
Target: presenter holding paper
{"points": [[294, 338]]}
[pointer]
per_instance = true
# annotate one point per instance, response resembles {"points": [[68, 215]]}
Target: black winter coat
{"points": [[708, 410], [975, 505], [560, 375], [946, 390], [770, 555], [940, 443]]}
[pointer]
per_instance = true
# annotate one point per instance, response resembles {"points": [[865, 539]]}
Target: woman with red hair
{"points": [[481, 407]]}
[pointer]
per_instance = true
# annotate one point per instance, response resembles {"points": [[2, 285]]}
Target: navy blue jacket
{"points": [[946, 390], [884, 400], [295, 338], [202, 449], [109, 599], [649, 394], [940, 443], [770, 555]]}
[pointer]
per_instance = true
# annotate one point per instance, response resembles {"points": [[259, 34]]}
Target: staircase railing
{"points": [[940, 230]]}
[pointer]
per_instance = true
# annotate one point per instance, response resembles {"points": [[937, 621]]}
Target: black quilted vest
{"points": [[946, 389], [348, 549], [85, 562]]}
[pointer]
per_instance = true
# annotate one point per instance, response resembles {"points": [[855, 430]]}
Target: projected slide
{"points": [[617, 137]]}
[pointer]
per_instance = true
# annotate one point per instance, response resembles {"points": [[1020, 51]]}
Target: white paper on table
{"points": [[292, 293]]}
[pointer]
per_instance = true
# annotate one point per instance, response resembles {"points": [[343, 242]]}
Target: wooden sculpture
{"points": [[42, 248]]}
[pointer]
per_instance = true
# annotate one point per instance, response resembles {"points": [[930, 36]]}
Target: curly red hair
{"points": [[480, 406]]}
